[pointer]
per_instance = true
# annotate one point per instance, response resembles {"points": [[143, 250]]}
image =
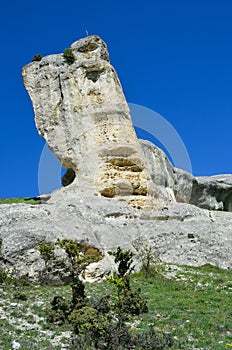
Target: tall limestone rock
{"points": [[81, 112]]}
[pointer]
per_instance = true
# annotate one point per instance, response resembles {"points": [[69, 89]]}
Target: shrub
{"points": [[37, 58], [69, 56], [88, 319], [124, 259], [60, 310], [131, 302], [153, 340], [46, 251], [102, 305], [97, 324], [117, 336], [80, 255], [9, 277], [109, 334]]}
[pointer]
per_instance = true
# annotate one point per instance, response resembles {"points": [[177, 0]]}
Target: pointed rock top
{"points": [[89, 44]]}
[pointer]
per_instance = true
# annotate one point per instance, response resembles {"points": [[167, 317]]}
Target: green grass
{"points": [[193, 304], [17, 200], [196, 307]]}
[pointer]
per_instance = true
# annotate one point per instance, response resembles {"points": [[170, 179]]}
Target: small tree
{"points": [[128, 301], [124, 259], [147, 254], [80, 255]]}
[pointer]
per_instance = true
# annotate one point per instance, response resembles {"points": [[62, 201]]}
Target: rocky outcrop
{"points": [[86, 122], [212, 192], [116, 189], [173, 184], [181, 233]]}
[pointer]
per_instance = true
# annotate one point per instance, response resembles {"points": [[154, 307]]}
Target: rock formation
{"points": [[208, 192], [117, 188], [86, 121]]}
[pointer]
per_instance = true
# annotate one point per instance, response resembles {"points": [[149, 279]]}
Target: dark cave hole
{"points": [[68, 177]]}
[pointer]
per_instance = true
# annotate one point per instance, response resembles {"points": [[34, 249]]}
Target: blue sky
{"points": [[174, 57]]}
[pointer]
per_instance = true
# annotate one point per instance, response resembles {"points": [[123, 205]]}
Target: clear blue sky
{"points": [[174, 57]]}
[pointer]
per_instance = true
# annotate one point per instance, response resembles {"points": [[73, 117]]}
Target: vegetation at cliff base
{"points": [[193, 305]]}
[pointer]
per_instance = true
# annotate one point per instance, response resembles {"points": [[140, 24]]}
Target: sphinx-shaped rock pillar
{"points": [[81, 112]]}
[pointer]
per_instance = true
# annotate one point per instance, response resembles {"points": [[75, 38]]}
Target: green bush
{"points": [[128, 302], [117, 336], [114, 335], [102, 305], [60, 310], [37, 58], [9, 278], [80, 255], [89, 319], [46, 251], [101, 324], [132, 303], [124, 259], [69, 56]]}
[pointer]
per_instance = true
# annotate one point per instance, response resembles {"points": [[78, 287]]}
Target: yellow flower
{"points": [[229, 344]]}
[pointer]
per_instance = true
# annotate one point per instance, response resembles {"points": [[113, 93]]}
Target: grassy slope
{"points": [[194, 304], [196, 307]]}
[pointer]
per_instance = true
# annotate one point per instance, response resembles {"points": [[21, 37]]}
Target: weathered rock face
{"points": [[81, 112]]}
